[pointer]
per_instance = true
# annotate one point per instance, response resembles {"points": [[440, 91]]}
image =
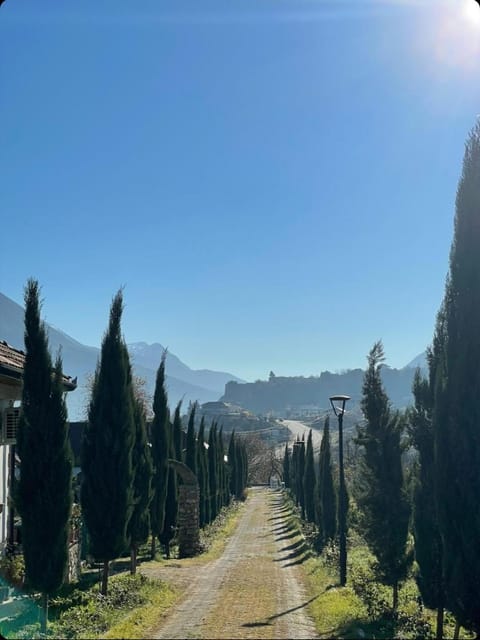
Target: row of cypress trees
{"points": [[443, 426], [445, 423], [314, 491], [128, 487], [128, 490]]}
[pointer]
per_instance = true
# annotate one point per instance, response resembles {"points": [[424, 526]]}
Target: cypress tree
{"points": [[456, 414], [286, 467], [139, 525], [428, 544], [177, 433], [107, 487], [232, 462], [221, 469], [300, 471], [43, 494], [202, 468], [212, 470], [382, 496], [309, 481], [171, 503], [191, 452], [327, 498], [160, 448]]}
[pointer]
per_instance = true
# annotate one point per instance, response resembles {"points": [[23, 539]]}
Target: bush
{"points": [[12, 570]]}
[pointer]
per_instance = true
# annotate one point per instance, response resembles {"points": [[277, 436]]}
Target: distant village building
{"points": [[217, 409]]}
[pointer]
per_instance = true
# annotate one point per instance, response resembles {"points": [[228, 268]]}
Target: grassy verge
{"points": [[362, 609]]}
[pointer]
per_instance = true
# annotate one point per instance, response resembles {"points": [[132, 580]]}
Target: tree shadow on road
{"points": [[268, 621]]}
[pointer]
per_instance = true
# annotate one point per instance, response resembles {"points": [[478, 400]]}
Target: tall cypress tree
{"points": [[213, 471], [327, 498], [456, 407], [43, 494], [286, 467], [171, 503], [300, 471], [139, 525], [160, 431], [107, 487], [191, 452], [428, 544], [383, 497], [202, 470], [309, 481], [178, 433]]}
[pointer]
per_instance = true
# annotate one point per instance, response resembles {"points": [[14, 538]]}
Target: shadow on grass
{"points": [[267, 621]]}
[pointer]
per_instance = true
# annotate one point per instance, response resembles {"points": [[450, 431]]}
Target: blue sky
{"points": [[272, 181]]}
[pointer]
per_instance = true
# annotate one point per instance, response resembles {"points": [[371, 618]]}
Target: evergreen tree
{"points": [[191, 452], [107, 487], [456, 415], [139, 525], [299, 473], [171, 503], [178, 433], [43, 494], [309, 481], [382, 496], [286, 467], [327, 498], [202, 469], [213, 471], [221, 469], [160, 432], [232, 462], [428, 544]]}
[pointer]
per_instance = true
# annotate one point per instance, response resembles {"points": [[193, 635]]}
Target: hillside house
{"points": [[11, 373]]}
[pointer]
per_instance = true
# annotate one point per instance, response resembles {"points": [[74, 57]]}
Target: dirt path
{"points": [[254, 590]]}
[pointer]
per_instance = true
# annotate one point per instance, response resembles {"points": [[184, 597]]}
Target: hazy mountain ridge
{"points": [[80, 360], [286, 396]]}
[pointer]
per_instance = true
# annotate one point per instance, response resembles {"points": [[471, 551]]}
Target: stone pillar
{"points": [[188, 521]]}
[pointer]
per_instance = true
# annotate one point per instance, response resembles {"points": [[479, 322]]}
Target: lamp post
{"points": [[339, 410]]}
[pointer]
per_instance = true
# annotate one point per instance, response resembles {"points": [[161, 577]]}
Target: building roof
{"points": [[12, 362]]}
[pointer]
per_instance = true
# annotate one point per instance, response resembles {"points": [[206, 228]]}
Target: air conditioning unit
{"points": [[11, 417]]}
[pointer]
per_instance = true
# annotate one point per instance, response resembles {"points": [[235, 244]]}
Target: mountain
{"points": [[418, 361], [148, 356], [80, 360], [293, 396]]}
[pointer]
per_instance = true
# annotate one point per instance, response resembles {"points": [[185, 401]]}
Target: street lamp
{"points": [[338, 406]]}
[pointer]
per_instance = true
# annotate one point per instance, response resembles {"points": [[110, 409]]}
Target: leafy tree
{"points": [[43, 494], [309, 481], [107, 487], [382, 496], [327, 498], [139, 525], [160, 431], [456, 415], [286, 467]]}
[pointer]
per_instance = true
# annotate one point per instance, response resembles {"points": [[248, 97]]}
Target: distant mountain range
{"points": [[80, 360]]}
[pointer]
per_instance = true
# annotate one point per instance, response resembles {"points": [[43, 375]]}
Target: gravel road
{"points": [[254, 590]]}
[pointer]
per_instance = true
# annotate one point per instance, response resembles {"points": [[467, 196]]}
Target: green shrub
{"points": [[12, 570]]}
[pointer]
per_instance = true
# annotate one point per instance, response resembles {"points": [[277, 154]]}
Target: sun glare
{"points": [[471, 14], [453, 35]]}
